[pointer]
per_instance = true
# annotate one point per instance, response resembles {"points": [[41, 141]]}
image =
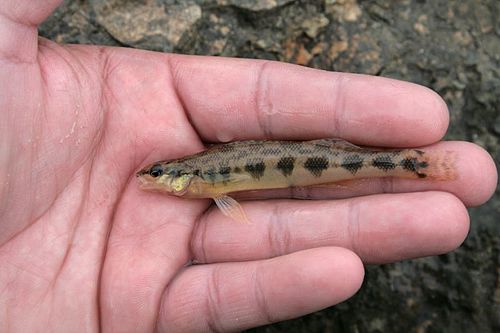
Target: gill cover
{"points": [[180, 184]]}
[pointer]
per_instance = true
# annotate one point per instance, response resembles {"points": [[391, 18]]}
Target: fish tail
{"points": [[437, 165]]}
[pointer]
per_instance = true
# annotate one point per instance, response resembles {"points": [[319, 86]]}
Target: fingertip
{"points": [[449, 227], [430, 117], [336, 273], [439, 110], [351, 268], [415, 115], [481, 172], [458, 228]]}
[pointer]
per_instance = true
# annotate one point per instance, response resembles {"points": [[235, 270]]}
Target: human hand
{"points": [[82, 248]]}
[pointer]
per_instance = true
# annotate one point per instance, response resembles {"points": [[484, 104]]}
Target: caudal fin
{"points": [[438, 165]]}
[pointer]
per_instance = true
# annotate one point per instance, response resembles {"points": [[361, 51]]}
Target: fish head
{"points": [[165, 177]]}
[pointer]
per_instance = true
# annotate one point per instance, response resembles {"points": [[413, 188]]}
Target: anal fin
{"points": [[231, 208]]}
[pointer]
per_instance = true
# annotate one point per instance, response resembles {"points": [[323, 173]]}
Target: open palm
{"points": [[81, 248]]}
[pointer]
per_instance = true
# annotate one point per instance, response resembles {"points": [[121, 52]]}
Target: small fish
{"points": [[258, 165]]}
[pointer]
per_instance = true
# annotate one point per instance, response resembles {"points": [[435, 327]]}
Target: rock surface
{"points": [[451, 46]]}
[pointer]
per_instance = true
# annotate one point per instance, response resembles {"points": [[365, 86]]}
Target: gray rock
{"points": [[153, 26]]}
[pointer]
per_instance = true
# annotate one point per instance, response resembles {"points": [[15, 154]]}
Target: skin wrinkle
{"points": [[32, 194], [260, 297], [99, 132], [106, 94], [386, 185], [98, 287], [272, 233], [109, 63], [214, 300], [20, 58], [31, 271], [12, 174], [198, 241], [43, 73], [47, 210], [74, 226], [36, 156], [339, 107], [353, 226], [278, 233], [175, 82], [263, 106], [68, 58], [164, 295]]}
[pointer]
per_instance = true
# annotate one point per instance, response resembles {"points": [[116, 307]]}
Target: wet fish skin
{"points": [[254, 165], [258, 165]]}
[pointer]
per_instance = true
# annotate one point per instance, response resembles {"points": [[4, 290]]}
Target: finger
{"points": [[475, 182], [379, 228], [236, 296], [230, 99], [18, 32], [146, 247]]}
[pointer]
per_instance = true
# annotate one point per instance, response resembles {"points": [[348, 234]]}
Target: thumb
{"points": [[18, 28]]}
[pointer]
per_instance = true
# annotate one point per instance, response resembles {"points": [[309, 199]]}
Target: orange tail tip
{"points": [[441, 165]]}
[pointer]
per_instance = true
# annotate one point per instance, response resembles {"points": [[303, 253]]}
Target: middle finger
{"points": [[378, 228]]}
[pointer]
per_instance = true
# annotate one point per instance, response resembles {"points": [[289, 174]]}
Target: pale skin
{"points": [[83, 249]]}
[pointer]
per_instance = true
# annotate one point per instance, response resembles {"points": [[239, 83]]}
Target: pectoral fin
{"points": [[231, 208]]}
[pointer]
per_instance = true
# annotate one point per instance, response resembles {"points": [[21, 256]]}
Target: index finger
{"points": [[238, 99]]}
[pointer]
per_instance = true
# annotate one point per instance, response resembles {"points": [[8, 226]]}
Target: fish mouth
{"points": [[148, 186], [145, 184]]}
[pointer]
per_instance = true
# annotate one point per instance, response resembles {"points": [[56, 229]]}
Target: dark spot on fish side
{"points": [[316, 165], [237, 170], [352, 163], [423, 164], [225, 172], [196, 172], [383, 162], [210, 174], [413, 165], [174, 172], [409, 164], [256, 170], [286, 165]]}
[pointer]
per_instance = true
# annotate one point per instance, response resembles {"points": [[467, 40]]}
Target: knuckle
{"points": [[279, 238]]}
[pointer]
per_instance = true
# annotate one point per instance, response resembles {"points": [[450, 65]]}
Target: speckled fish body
{"points": [[254, 165]]}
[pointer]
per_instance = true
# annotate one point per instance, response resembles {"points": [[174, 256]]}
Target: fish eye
{"points": [[156, 171]]}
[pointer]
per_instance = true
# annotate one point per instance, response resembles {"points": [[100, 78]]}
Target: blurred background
{"points": [[452, 47]]}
